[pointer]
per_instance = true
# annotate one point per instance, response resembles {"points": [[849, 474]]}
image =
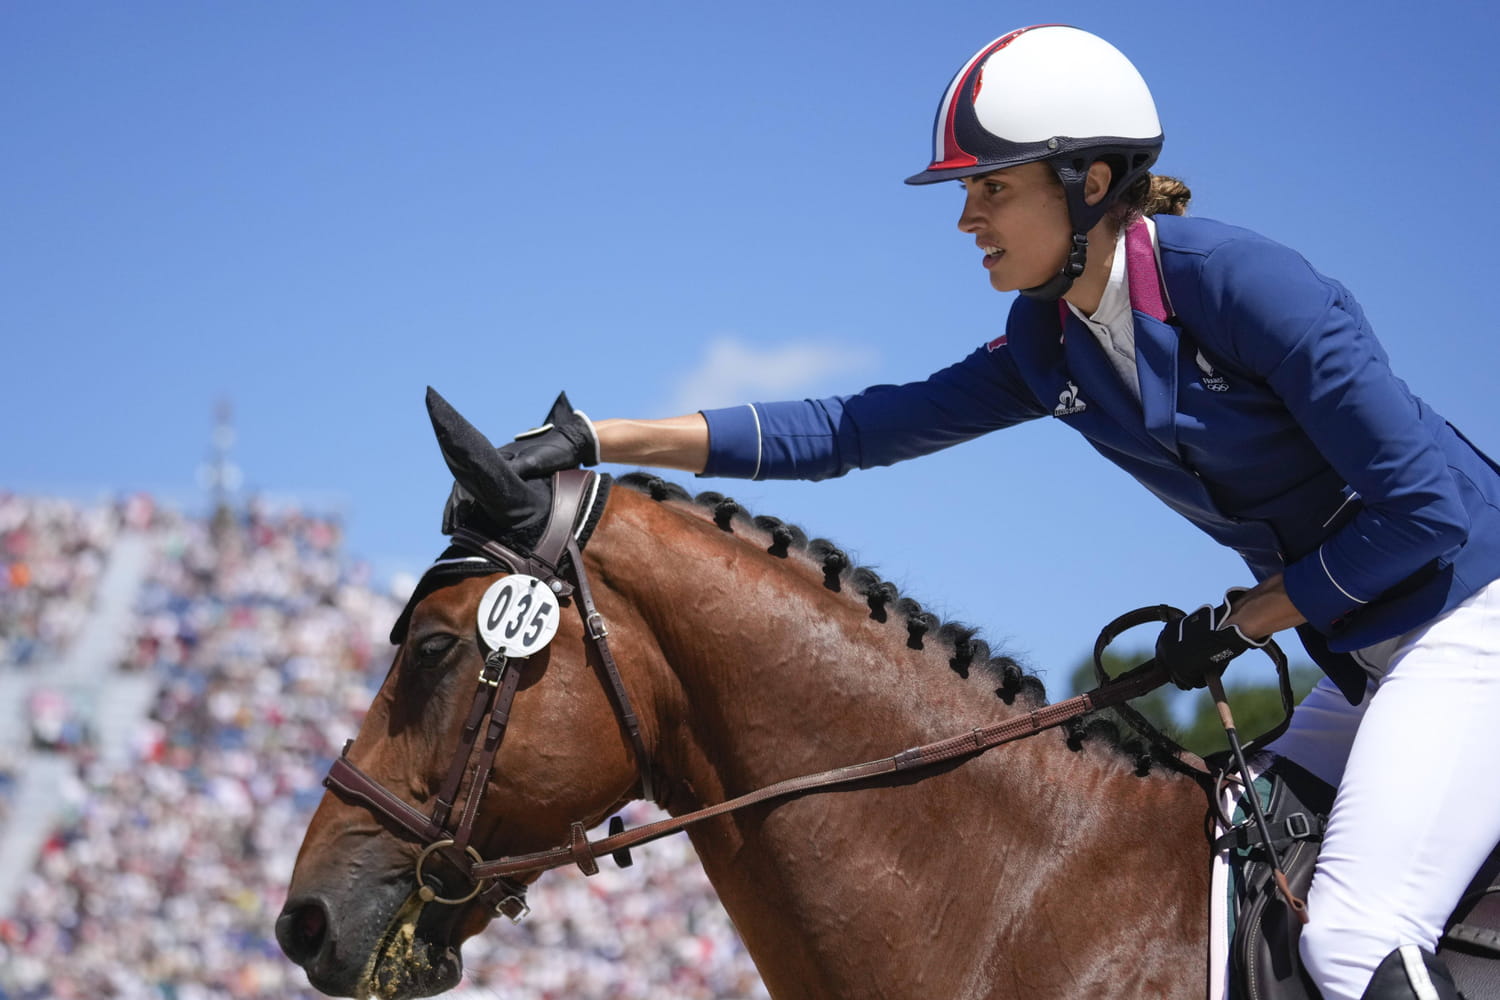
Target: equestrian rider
{"points": [[1247, 391]]}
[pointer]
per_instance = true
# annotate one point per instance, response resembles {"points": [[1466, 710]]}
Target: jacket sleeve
{"points": [[823, 438], [1307, 337]]}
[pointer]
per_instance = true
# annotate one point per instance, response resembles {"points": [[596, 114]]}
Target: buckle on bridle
{"points": [[493, 669], [513, 907], [597, 628]]}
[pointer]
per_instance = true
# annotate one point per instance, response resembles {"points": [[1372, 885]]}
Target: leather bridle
{"points": [[574, 493]]}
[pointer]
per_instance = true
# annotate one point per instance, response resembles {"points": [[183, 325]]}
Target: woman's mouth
{"points": [[992, 255]]}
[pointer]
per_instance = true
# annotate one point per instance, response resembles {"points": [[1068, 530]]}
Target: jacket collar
{"points": [[1156, 339]]}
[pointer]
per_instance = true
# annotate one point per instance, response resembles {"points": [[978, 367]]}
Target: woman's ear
{"points": [[1096, 184]]}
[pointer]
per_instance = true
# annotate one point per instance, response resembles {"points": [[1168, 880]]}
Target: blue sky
{"points": [[314, 210]]}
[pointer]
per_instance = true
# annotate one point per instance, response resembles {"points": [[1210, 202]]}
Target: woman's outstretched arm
{"points": [[670, 443]]}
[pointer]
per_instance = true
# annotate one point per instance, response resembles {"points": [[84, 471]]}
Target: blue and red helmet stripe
{"points": [[956, 122], [962, 146]]}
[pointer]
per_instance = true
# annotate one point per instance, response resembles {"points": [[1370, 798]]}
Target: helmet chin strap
{"points": [[1084, 217], [1055, 289]]}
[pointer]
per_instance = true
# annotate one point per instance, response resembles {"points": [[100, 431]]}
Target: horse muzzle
{"points": [[393, 946]]}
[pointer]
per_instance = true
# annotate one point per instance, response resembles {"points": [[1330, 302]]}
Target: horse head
{"points": [[755, 657], [381, 899]]}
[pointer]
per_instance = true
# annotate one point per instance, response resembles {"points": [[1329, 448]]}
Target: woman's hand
{"points": [[569, 439], [566, 441], [1202, 643]]}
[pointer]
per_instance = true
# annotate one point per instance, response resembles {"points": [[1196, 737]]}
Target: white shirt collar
{"points": [[1114, 304]]}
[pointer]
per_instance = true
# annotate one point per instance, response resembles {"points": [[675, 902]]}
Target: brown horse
{"points": [[1049, 867]]}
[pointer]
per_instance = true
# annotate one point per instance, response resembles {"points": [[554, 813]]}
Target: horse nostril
{"points": [[301, 930]]}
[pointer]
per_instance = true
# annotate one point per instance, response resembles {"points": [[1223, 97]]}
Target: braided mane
{"points": [[886, 604]]}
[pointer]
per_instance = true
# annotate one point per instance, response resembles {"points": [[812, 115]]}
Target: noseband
{"points": [[575, 494]]}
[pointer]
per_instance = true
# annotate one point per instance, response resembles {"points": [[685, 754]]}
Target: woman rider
{"points": [[1247, 391]]}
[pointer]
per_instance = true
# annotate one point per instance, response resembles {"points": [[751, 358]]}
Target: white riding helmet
{"points": [[1049, 93]]}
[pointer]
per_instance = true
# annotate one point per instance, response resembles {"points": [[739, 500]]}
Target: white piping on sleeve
{"points": [[1324, 563], [759, 441]]}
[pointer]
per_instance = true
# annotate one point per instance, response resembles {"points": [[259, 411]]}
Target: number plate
{"points": [[518, 615]]}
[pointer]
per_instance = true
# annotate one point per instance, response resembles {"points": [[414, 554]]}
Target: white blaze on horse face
{"points": [[518, 615]]}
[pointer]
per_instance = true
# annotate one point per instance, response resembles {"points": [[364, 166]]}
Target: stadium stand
{"points": [[164, 862]]}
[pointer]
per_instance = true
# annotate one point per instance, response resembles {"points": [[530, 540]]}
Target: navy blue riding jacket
{"points": [[1269, 417]]}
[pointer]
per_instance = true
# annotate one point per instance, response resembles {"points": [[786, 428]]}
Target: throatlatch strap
{"points": [[593, 622]]}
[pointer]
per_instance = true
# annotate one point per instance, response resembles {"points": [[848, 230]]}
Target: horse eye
{"points": [[431, 650]]}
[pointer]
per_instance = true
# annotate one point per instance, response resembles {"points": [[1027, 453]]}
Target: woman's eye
{"points": [[431, 650]]}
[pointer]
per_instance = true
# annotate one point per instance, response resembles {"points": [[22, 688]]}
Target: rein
{"points": [[574, 495], [584, 852]]}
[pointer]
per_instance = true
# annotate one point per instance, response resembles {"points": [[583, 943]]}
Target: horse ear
{"points": [[479, 469]]}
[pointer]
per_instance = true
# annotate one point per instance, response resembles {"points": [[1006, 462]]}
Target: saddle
{"points": [[1264, 962]]}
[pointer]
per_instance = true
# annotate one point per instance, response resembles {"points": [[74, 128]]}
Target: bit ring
{"points": [[428, 894]]}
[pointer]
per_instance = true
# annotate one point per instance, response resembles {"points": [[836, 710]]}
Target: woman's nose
{"points": [[968, 219]]}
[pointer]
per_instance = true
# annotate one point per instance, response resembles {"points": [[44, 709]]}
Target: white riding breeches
{"points": [[1418, 808]]}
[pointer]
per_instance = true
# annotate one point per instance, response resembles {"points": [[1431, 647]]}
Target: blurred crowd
{"points": [[163, 878], [51, 555], [7, 783]]}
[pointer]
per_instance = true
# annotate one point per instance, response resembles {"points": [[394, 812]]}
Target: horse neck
{"points": [[764, 668], [765, 674]]}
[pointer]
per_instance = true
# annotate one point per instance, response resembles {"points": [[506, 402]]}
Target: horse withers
{"points": [[1053, 867]]}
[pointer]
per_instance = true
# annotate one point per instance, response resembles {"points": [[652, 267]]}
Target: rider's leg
{"points": [[1321, 732], [1413, 818], [1322, 728]]}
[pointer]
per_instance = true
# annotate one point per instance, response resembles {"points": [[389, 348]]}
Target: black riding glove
{"points": [[566, 441], [1198, 645]]}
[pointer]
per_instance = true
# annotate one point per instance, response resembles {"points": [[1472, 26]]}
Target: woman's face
{"points": [[1019, 218]]}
